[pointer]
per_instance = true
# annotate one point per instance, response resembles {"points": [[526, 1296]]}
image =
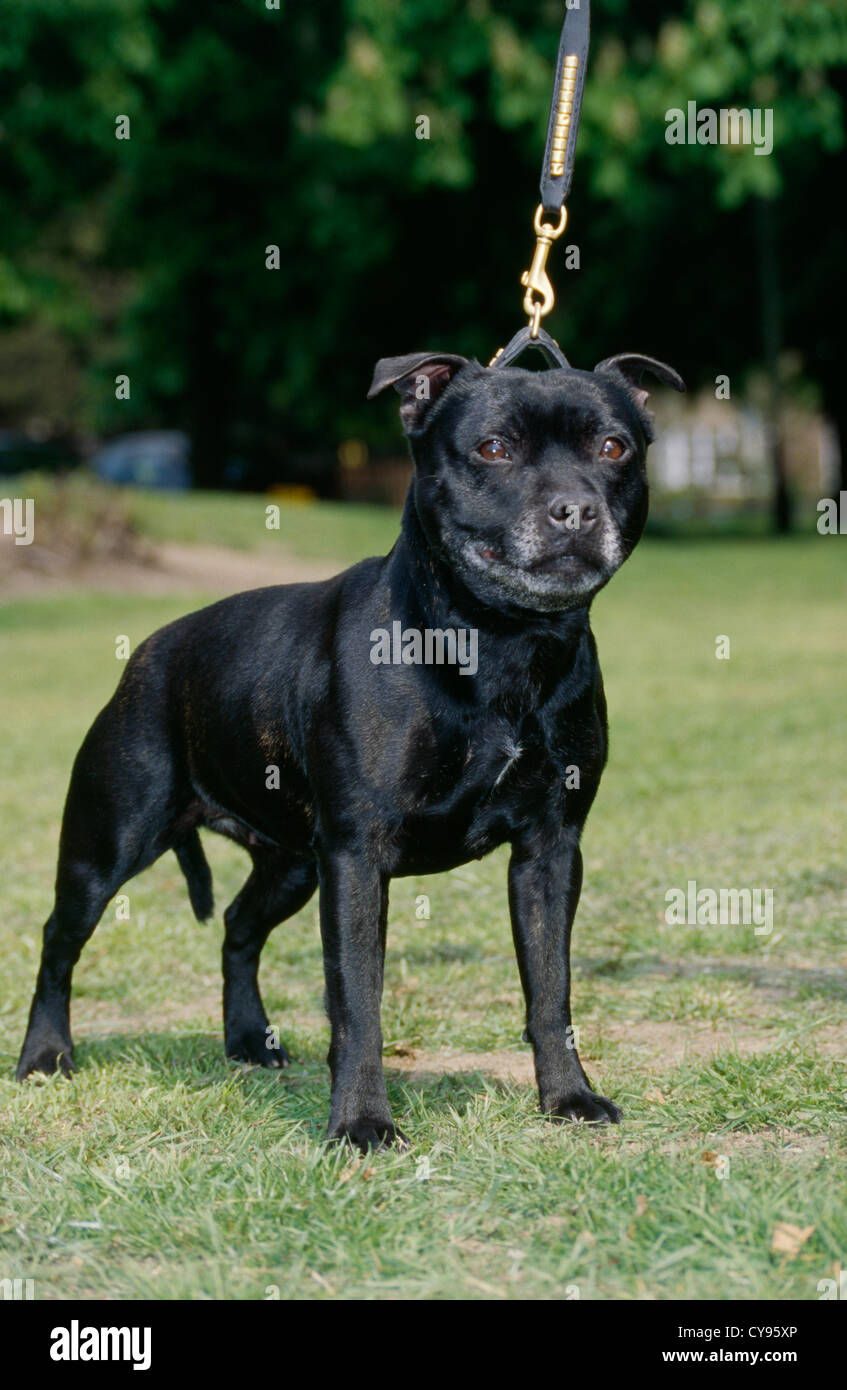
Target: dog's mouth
{"points": [[551, 582], [551, 562]]}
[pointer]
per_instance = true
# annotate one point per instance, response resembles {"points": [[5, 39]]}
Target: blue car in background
{"points": [[146, 458]]}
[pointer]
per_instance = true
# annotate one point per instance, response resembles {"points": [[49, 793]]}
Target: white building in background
{"points": [[717, 451]]}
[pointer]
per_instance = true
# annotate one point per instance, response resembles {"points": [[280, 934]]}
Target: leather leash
{"points": [[556, 172]]}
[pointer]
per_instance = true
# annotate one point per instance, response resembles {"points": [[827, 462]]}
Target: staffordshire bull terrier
{"points": [[267, 718]]}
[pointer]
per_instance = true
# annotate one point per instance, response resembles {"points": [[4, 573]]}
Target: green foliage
{"points": [[297, 128]]}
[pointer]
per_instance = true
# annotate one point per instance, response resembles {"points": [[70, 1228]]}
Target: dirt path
{"points": [[655, 1044], [171, 569]]}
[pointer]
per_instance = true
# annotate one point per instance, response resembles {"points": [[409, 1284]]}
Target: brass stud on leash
{"points": [[564, 111]]}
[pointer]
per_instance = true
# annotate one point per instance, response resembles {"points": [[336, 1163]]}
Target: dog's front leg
{"points": [[545, 876], [354, 907]]}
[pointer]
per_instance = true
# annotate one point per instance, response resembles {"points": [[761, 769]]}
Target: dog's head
{"points": [[532, 486]]}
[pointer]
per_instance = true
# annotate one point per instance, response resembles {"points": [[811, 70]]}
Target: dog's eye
{"points": [[494, 451], [612, 448]]}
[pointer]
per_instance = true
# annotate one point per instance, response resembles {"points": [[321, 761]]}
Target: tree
{"points": [[299, 128]]}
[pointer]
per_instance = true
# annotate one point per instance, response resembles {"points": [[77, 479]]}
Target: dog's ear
{"points": [[630, 365], [420, 378]]}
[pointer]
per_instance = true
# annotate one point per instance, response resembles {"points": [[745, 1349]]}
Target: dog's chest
{"points": [[497, 755], [473, 793], [505, 765]]}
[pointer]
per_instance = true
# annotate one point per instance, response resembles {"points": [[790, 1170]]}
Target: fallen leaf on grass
{"points": [[787, 1239]]}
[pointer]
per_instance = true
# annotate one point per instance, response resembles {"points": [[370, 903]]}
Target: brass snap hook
{"points": [[540, 298]]}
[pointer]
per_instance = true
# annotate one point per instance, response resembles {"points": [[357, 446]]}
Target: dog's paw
{"points": [[258, 1050], [586, 1107], [47, 1057], [367, 1133]]}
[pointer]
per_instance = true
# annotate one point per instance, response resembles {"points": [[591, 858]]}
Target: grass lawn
{"points": [[162, 1171], [329, 530]]}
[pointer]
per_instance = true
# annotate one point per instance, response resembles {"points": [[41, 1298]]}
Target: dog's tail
{"points": [[198, 875]]}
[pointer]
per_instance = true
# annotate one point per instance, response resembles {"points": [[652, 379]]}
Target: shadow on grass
{"points": [[298, 1092], [794, 980], [198, 1056]]}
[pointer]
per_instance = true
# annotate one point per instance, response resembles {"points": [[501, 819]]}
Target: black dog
{"points": [[280, 719]]}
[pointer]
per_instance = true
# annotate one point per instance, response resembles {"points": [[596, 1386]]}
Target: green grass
{"points": [[313, 531], [196, 1179]]}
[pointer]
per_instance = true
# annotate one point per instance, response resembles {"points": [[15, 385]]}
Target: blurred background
{"points": [[155, 154]]}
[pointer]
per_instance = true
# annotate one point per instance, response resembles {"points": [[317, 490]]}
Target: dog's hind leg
{"points": [[117, 821], [277, 888], [82, 891], [78, 908]]}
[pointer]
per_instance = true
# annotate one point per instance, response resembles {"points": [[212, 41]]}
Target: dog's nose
{"points": [[572, 513]]}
